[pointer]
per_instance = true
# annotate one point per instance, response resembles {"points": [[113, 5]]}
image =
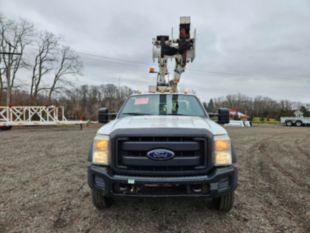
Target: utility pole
{"points": [[8, 68]]}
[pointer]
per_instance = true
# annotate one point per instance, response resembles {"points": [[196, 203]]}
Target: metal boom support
{"points": [[181, 49]]}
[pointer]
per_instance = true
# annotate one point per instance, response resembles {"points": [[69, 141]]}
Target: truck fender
{"points": [[233, 154], [90, 153]]}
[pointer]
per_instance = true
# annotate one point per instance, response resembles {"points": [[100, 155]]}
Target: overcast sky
{"points": [[251, 47]]}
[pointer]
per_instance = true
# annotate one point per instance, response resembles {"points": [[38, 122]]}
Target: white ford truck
{"points": [[162, 145]]}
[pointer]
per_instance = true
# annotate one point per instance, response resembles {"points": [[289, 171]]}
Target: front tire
{"points": [[289, 123], [298, 123], [100, 201], [225, 202]]}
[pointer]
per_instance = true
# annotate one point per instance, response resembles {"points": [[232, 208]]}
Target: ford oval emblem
{"points": [[160, 154]]}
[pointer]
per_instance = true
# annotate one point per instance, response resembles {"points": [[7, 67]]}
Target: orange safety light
{"points": [[101, 145], [221, 145]]}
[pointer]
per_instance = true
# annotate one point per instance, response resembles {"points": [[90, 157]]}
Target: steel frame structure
{"points": [[34, 115]]}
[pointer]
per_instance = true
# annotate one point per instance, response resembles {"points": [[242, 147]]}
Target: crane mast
{"points": [[182, 50]]}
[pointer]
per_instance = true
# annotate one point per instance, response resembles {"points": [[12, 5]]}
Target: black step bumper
{"points": [[219, 181]]}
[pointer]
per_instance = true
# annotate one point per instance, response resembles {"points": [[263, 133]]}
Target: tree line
{"points": [[81, 102], [259, 106], [84, 101]]}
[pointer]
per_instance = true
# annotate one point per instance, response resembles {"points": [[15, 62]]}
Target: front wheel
{"points": [[225, 202], [298, 123], [289, 123], [100, 201]]}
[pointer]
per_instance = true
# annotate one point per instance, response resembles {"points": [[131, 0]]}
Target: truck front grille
{"points": [[191, 155]]}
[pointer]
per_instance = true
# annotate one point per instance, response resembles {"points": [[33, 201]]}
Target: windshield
{"points": [[165, 104]]}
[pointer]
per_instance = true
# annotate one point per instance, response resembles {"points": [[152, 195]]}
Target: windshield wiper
{"points": [[135, 113], [176, 114]]}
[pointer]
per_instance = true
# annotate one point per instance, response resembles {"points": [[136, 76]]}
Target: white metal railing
{"points": [[34, 115]]}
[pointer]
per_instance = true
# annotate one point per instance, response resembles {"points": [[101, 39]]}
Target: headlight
{"points": [[222, 151], [101, 150]]}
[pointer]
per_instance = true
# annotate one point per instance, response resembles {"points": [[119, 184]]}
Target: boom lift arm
{"points": [[181, 49]]}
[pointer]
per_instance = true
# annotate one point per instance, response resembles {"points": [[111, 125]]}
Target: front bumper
{"points": [[219, 181]]}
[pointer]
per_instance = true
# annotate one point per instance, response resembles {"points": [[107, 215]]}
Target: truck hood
{"points": [[134, 122]]}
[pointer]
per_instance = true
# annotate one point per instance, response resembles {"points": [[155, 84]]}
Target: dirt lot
{"points": [[44, 187]]}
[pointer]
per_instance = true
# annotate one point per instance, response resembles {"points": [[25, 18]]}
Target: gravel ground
{"points": [[44, 187]]}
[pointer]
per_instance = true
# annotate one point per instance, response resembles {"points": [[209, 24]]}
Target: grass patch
{"points": [[271, 121]]}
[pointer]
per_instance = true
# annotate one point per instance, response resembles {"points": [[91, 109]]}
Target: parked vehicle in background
{"points": [[5, 127], [239, 123], [299, 120]]}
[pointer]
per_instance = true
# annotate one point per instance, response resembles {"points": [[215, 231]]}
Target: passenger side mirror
{"points": [[223, 116], [103, 115]]}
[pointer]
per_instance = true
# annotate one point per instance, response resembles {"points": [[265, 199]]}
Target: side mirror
{"points": [[103, 115], [223, 116]]}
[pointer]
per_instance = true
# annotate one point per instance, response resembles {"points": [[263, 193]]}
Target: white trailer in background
{"points": [[298, 120], [34, 115], [239, 123]]}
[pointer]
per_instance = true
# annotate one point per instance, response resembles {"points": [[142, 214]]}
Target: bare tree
{"points": [[1, 82], [1, 69], [110, 95], [124, 93], [15, 37], [68, 64], [43, 62]]}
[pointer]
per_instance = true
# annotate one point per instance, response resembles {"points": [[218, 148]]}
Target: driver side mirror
{"points": [[103, 115], [223, 116]]}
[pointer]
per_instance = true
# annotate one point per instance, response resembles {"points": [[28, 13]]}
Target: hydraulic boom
{"points": [[181, 49]]}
